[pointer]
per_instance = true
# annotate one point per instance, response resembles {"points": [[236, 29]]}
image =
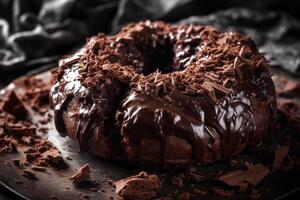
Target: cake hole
{"points": [[165, 56], [149, 54], [158, 58]]}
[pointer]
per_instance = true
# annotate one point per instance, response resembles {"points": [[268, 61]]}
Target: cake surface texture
{"points": [[165, 95]]}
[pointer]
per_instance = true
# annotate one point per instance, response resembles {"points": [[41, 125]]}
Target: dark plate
{"points": [[55, 182]]}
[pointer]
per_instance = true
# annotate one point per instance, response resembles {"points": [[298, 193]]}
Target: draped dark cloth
{"points": [[36, 33]]}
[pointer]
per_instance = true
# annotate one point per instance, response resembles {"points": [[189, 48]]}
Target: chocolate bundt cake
{"points": [[165, 95]]}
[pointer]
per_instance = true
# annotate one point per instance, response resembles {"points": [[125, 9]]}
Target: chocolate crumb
{"points": [[52, 155], [102, 190], [17, 181], [82, 174], [110, 182], [239, 177], [19, 129], [84, 196], [7, 163], [94, 189], [199, 192], [223, 193], [69, 158], [17, 162], [29, 174], [142, 186], [13, 105], [28, 140], [39, 168]]}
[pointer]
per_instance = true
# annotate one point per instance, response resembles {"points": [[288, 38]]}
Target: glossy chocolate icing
{"points": [[165, 95]]}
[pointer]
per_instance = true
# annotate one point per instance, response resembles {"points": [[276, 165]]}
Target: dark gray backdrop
{"points": [[35, 33]]}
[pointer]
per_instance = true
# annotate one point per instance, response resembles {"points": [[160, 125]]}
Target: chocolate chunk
{"points": [[8, 145], [52, 156], [94, 189], [13, 105], [17, 162], [239, 177], [28, 140], [82, 174], [19, 129], [29, 174], [40, 101], [30, 150], [142, 186], [32, 156]]}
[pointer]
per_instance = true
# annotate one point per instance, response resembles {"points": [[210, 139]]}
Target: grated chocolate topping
{"points": [[201, 59]]}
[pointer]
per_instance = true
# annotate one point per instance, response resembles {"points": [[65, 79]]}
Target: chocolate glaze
{"points": [[165, 95], [213, 130]]}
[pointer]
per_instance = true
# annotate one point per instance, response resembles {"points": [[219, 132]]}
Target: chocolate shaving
{"points": [[210, 90], [123, 57], [28, 140], [229, 70], [219, 88]]}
